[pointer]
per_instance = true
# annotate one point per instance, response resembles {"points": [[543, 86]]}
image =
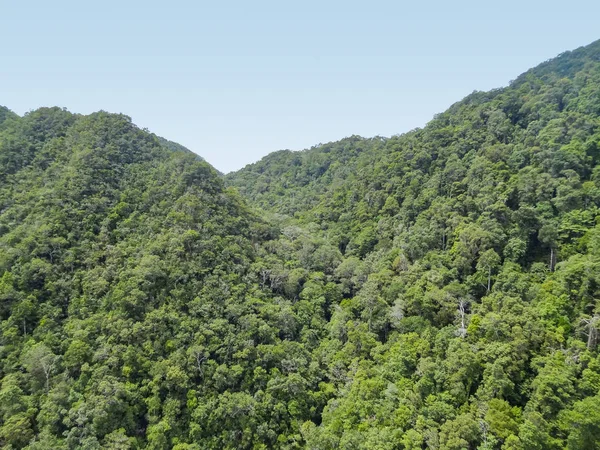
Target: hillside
{"points": [[436, 289], [468, 251], [485, 150], [131, 315]]}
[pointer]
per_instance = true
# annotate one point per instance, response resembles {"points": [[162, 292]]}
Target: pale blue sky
{"points": [[235, 80]]}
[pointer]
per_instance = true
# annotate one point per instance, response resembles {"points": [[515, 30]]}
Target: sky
{"points": [[236, 80]]}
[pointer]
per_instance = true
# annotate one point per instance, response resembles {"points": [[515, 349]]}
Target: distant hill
{"points": [[533, 125]]}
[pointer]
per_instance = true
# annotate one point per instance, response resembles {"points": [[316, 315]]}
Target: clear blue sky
{"points": [[235, 80]]}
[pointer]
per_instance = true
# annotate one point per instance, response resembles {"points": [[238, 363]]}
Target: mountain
{"points": [[477, 153], [128, 303], [436, 289], [468, 251]]}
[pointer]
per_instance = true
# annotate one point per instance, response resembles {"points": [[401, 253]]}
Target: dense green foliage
{"points": [[467, 254], [130, 317], [431, 290]]}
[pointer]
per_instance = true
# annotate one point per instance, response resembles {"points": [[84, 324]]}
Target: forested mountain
{"points": [[467, 254], [130, 316], [431, 290]]}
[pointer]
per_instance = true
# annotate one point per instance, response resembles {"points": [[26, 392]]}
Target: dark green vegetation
{"points": [[432, 290]]}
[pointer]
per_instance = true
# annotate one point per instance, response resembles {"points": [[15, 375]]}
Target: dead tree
{"points": [[591, 326], [462, 314]]}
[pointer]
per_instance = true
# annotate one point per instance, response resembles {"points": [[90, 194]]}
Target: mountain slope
{"points": [[543, 122], [467, 252], [131, 314], [290, 182]]}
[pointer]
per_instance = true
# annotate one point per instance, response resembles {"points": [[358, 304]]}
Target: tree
{"points": [[487, 263], [462, 314], [591, 325], [41, 363], [582, 424], [548, 235]]}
